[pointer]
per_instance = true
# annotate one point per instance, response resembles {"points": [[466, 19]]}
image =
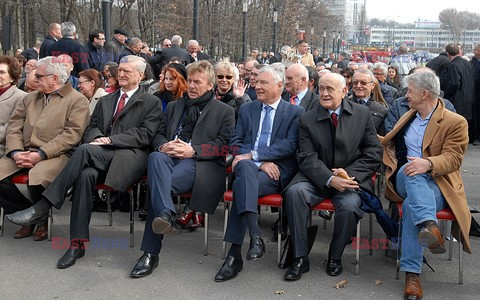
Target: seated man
{"points": [[423, 155], [188, 157], [296, 87], [44, 127], [336, 139], [265, 142], [115, 152], [380, 71], [363, 83]]}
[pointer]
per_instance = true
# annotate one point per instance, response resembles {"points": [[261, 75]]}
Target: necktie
{"points": [[293, 99], [266, 126], [120, 106], [334, 119]]}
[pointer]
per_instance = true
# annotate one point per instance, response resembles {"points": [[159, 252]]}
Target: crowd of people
{"points": [[294, 123]]}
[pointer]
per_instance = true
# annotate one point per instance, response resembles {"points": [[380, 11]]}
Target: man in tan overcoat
{"points": [[423, 155], [44, 127]]}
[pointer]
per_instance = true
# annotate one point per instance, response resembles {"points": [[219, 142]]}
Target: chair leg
{"points": [[109, 207], [370, 232], [357, 251], [225, 222], [460, 257], [279, 235], [2, 219], [132, 219], [50, 222], [450, 244], [324, 224], [205, 238], [399, 246]]}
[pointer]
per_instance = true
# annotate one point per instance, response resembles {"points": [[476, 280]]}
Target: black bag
{"points": [[286, 259]]}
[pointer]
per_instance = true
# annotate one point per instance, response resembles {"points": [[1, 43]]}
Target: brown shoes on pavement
{"points": [[431, 238], [40, 234], [413, 288]]}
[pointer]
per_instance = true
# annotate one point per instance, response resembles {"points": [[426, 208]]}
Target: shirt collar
{"points": [[129, 93], [337, 111], [274, 105], [429, 115], [302, 94]]}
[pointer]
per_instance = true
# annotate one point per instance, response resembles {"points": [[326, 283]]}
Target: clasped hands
{"points": [[101, 141], [341, 181], [270, 168], [26, 159], [178, 149]]}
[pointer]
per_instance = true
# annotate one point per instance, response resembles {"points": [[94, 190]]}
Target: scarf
{"points": [[193, 108], [225, 98], [3, 90]]}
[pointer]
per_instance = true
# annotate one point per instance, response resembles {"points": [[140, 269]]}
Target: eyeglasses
{"points": [[225, 76], [37, 76], [378, 74], [362, 83]]}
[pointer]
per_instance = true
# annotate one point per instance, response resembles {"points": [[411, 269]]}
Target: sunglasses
{"points": [[225, 76]]}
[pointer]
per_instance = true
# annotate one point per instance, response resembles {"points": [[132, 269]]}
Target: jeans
{"points": [[422, 200]]}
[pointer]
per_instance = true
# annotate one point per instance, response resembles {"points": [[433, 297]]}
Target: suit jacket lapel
{"points": [[306, 100], [108, 110], [177, 116], [131, 102], [204, 111], [257, 110], [277, 121], [432, 126]]}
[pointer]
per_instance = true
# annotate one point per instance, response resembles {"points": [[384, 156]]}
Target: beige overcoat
{"points": [[444, 143], [54, 127]]}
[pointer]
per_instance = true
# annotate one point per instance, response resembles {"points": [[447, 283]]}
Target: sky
{"points": [[408, 11]]}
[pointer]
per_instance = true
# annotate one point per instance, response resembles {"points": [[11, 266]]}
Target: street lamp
{"points": [[244, 35], [333, 43], [338, 41], [106, 18], [324, 37], [275, 28]]}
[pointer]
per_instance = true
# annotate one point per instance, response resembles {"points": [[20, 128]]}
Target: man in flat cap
{"points": [[116, 45]]}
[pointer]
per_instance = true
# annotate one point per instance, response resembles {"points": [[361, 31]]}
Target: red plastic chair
{"points": [[445, 214], [274, 200]]}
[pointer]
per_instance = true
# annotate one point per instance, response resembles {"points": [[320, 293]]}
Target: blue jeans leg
{"points": [[422, 200]]}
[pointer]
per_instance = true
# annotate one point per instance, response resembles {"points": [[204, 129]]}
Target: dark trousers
{"points": [[303, 195], [250, 183], [12, 200], [166, 177], [87, 166]]}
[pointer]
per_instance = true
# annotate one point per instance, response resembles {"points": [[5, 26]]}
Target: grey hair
{"points": [[425, 81], [134, 42], [352, 63], [55, 67], [277, 70], [140, 63], [324, 71], [403, 49], [68, 29], [365, 71], [176, 40], [192, 42], [224, 64], [381, 66]]}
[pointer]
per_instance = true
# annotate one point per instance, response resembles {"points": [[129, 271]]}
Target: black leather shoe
{"points": [[325, 214], [300, 265], [69, 258], [142, 214], [334, 267], [165, 224], [145, 265], [257, 248], [230, 269], [29, 216]]}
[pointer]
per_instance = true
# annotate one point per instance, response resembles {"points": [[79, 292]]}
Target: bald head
{"points": [[296, 79], [332, 89]]}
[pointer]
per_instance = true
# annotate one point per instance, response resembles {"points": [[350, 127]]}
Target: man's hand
{"points": [[416, 166], [241, 157], [27, 159], [271, 169], [101, 141], [178, 149], [342, 185]]}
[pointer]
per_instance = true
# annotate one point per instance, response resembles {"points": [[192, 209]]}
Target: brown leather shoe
{"points": [[431, 237], [41, 233], [24, 232], [413, 288]]}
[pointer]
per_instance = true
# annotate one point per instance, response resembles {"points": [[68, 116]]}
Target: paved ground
{"points": [[28, 268]]}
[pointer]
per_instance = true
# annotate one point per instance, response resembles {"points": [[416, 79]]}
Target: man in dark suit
{"points": [[54, 34], [343, 60], [265, 141], [190, 146], [32, 53], [116, 45], [115, 149], [70, 46], [336, 140], [175, 51], [97, 56], [296, 87]]}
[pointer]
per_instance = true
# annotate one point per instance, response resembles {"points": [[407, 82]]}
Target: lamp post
{"points": [[339, 42], [195, 19], [106, 18], [275, 28], [312, 33], [244, 35], [324, 37], [333, 43]]}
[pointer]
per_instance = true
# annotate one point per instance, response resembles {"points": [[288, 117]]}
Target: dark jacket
{"points": [[97, 57], [48, 41], [400, 107], [131, 135], [461, 86], [251, 93], [113, 50], [378, 112], [309, 101], [343, 64], [283, 140], [75, 50], [210, 136], [353, 146], [440, 64], [30, 53], [174, 51], [230, 100], [389, 93]]}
